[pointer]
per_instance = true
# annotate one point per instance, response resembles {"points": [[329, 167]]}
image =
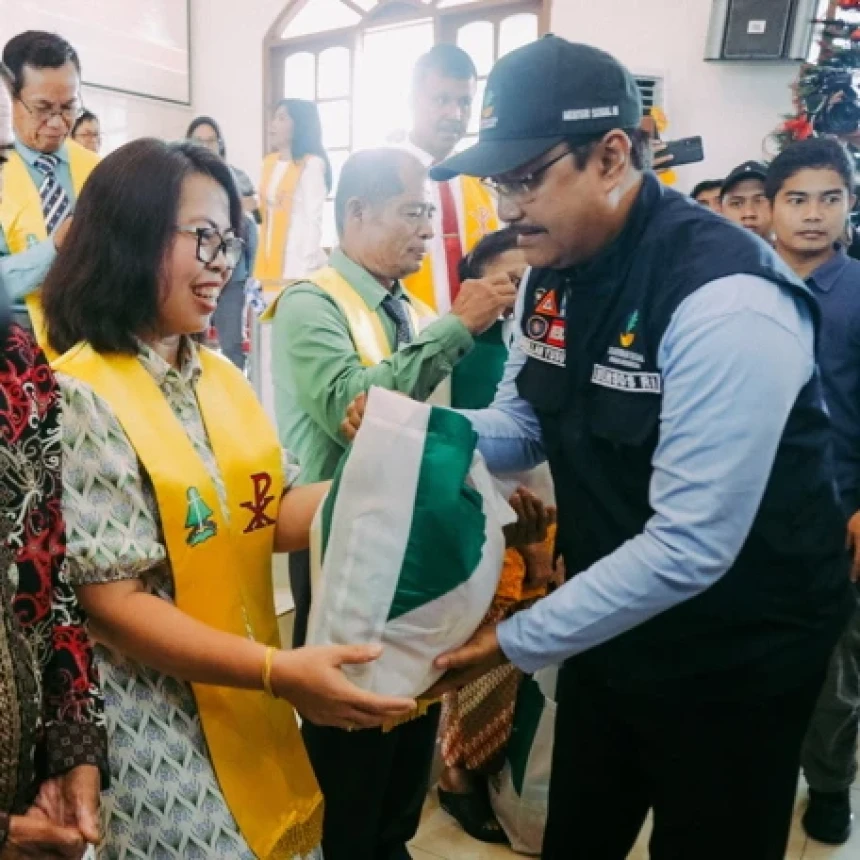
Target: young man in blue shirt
{"points": [[811, 189]]}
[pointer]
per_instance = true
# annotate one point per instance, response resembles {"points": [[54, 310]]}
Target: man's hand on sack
{"points": [[533, 519], [354, 416], [468, 662], [312, 680]]}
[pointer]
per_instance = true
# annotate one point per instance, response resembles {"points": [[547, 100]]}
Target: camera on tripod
{"points": [[838, 111]]}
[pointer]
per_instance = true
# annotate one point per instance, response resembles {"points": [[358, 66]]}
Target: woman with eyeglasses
{"points": [[296, 181], [87, 131], [176, 496]]}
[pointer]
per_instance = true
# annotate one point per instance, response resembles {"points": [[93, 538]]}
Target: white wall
{"points": [[733, 106]]}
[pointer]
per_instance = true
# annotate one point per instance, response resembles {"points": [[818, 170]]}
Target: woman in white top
{"points": [[295, 183]]}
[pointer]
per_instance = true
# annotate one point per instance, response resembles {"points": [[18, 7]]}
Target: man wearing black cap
{"points": [[666, 367], [743, 199]]}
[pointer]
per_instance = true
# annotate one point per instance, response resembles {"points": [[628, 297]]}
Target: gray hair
{"points": [[372, 176]]}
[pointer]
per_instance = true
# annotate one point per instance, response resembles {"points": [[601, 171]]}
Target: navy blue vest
{"points": [[592, 334]]}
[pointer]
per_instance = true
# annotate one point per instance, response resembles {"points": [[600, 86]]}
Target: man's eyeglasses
{"points": [[415, 213], [210, 243], [68, 113], [523, 187]]}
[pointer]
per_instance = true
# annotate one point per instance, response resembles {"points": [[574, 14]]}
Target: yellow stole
{"points": [[365, 326], [479, 215], [23, 222], [223, 577], [270, 254]]}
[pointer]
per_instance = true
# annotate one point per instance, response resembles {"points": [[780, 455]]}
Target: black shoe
{"points": [[828, 817], [475, 815]]}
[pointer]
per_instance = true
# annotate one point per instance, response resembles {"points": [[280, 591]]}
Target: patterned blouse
{"points": [[51, 718], [165, 800]]}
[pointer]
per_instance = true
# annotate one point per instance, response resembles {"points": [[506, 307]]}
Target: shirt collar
{"points": [[824, 278], [30, 155], [373, 293], [163, 373], [424, 157]]}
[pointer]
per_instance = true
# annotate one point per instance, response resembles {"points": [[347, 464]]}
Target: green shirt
{"points": [[317, 372]]}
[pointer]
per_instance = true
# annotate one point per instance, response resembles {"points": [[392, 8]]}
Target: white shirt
{"points": [[303, 253]]}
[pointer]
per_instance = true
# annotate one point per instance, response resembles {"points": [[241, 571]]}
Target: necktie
{"points": [[450, 237], [393, 306], [55, 202]]}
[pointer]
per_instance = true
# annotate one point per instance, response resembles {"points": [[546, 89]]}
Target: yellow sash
{"points": [[479, 215], [223, 578], [23, 222], [365, 326], [270, 254]]}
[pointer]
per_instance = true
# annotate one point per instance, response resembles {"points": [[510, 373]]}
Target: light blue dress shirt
{"points": [[733, 359], [24, 272]]}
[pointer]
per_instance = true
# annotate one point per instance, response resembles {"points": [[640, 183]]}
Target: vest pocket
{"points": [[624, 417]]}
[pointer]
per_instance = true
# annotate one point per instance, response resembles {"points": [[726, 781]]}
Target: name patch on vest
{"points": [[546, 330], [623, 380]]}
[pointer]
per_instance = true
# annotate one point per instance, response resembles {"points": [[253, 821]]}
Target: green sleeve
{"points": [[311, 341]]}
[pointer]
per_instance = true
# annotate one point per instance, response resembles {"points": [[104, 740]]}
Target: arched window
{"points": [[354, 58]]}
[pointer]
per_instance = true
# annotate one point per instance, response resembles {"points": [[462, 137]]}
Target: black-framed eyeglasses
{"points": [[69, 113], [210, 243], [524, 186]]}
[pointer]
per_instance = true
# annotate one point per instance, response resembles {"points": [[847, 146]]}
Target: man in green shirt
{"points": [[350, 328]]}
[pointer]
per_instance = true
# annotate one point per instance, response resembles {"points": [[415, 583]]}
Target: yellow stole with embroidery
{"points": [[21, 215], [273, 239], [222, 568], [365, 326], [479, 216]]}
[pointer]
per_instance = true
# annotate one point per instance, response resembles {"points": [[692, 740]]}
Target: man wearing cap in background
{"points": [[666, 367], [743, 200]]}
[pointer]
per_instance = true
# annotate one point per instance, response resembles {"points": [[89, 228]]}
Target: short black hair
{"points": [[39, 50], [207, 120], [817, 153], [446, 59], [6, 77], [371, 175], [582, 148], [86, 116], [706, 185], [105, 286], [491, 246]]}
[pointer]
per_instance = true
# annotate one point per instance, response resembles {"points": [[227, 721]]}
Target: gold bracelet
{"points": [[267, 673]]}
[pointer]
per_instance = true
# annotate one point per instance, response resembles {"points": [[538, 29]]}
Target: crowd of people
{"points": [[673, 380]]}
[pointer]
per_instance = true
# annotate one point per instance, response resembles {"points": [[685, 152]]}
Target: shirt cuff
{"points": [[70, 745], [509, 639], [453, 337]]}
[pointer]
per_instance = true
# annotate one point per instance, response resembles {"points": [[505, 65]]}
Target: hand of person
{"points": [[312, 680], [354, 416], [34, 837], [533, 519], [468, 662], [541, 569], [72, 800], [61, 232], [481, 302], [852, 542], [660, 162]]}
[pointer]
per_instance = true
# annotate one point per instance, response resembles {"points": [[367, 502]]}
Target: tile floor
{"points": [[440, 838]]}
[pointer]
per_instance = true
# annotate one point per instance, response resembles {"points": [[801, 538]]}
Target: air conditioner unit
{"points": [[761, 29]]}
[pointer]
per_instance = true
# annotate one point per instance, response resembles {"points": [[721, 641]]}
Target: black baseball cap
{"points": [[747, 170], [541, 95]]}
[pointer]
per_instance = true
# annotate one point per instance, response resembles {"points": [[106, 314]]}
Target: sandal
{"points": [[475, 815]]}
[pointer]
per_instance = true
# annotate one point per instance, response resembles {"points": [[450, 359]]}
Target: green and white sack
{"points": [[407, 548], [519, 793]]}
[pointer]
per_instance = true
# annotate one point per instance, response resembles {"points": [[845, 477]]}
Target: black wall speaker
{"points": [[760, 29]]}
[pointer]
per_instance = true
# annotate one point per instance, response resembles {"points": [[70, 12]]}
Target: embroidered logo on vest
{"points": [[261, 520], [197, 519], [629, 334]]}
